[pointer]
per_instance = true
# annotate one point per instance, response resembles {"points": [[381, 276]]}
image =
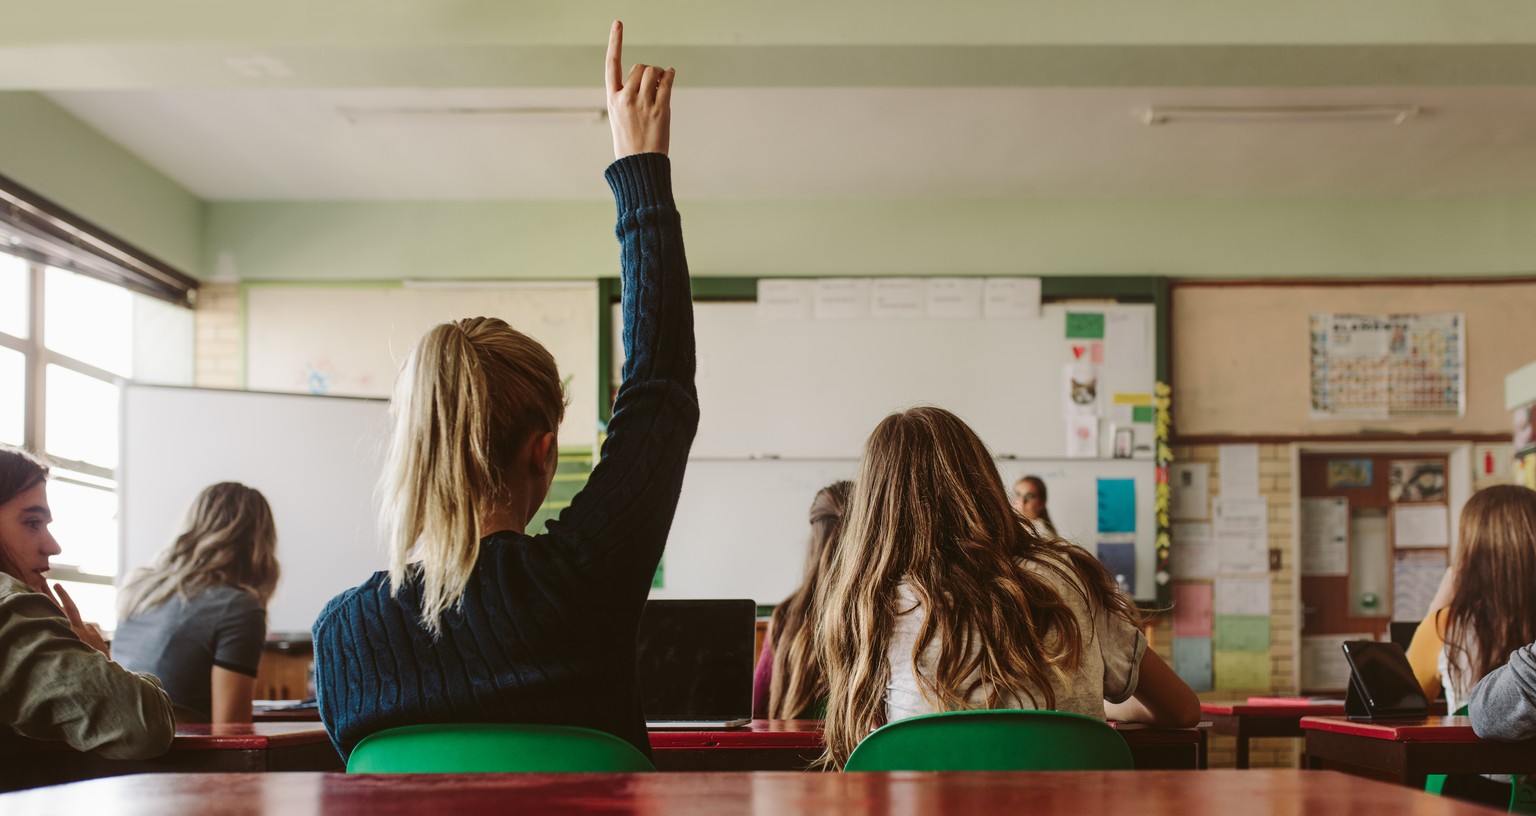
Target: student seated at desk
{"points": [[1486, 607], [1503, 705], [56, 681], [942, 597], [197, 618], [478, 619], [788, 683]]}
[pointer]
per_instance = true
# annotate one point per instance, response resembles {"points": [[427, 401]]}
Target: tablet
{"points": [[1381, 682]]}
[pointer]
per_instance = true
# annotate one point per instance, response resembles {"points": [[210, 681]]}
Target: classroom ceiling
{"points": [[788, 143]]}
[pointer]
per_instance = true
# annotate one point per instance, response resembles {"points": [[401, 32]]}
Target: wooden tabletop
{"points": [[1143, 793], [1416, 729], [1274, 708], [206, 737]]}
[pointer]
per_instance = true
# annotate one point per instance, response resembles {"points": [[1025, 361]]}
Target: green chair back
{"points": [[495, 747], [1001, 740]]}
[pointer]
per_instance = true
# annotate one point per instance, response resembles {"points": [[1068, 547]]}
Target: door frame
{"points": [[1459, 476]]}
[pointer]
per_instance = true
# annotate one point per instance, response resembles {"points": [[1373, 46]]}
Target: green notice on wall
{"points": [[659, 580], [1085, 325]]}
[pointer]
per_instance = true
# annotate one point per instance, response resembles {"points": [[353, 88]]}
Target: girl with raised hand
{"points": [[478, 619], [56, 678], [197, 617], [942, 597]]}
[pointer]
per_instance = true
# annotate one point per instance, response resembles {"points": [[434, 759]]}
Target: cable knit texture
{"points": [[546, 632]]}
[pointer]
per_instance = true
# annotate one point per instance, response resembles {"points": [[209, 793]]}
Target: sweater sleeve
{"points": [[762, 681], [1503, 706], [58, 688], [618, 523], [1424, 655]]}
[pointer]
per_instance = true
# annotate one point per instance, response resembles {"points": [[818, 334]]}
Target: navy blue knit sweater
{"points": [[546, 632]]}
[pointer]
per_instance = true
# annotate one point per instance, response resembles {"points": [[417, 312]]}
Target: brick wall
{"points": [[217, 352], [1275, 484]]}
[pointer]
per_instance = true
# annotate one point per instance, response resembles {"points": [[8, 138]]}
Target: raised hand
{"points": [[85, 631], [640, 105]]}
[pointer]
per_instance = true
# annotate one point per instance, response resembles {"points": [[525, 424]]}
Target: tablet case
{"points": [[1381, 682]]}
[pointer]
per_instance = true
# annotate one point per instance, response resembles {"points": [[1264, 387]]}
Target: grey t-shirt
{"points": [[181, 640], [1108, 669]]}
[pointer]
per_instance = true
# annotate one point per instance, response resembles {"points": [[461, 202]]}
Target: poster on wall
{"points": [[1417, 480], [1392, 365]]}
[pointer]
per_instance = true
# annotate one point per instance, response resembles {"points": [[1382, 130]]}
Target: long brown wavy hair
{"points": [[929, 509], [230, 540], [1493, 609], [797, 682]]}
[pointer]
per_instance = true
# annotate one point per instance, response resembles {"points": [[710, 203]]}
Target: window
{"points": [[59, 382]]}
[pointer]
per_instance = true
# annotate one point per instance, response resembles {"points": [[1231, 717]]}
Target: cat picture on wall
{"points": [[1081, 389]]}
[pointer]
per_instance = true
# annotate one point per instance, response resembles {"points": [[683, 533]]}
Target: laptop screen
{"points": [[695, 659]]}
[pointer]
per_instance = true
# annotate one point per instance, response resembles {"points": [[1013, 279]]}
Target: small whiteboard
{"points": [[316, 459]]}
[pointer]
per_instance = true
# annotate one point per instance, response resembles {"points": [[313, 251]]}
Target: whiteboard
{"points": [[741, 527], [316, 459], [349, 340], [816, 388]]}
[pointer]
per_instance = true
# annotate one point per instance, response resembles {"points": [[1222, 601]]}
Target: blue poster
{"points": [[1117, 505], [1192, 661], [1120, 560]]}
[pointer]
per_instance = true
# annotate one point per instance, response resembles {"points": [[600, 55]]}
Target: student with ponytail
{"points": [[478, 619], [942, 597]]}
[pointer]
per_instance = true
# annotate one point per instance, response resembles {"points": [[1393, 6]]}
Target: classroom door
{"points": [[1375, 538]]}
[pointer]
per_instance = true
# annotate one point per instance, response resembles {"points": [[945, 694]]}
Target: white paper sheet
{"points": [[1194, 551], [842, 298], [1416, 577], [1239, 471], [1189, 484], [1242, 596], [955, 298], [1241, 530], [1082, 436], [1126, 338], [1010, 298], [1421, 525], [784, 299], [898, 298], [1325, 536]]}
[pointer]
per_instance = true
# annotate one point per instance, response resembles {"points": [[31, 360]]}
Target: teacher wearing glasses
{"points": [[1029, 499]]}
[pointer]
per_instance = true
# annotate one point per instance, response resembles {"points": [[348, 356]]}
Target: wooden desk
{"points": [[1407, 750], [196, 749], [1267, 719], [263, 711], [791, 745], [1145, 793]]}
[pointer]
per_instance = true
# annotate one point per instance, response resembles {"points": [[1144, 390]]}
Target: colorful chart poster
{"points": [[1192, 661], [1379, 366]]}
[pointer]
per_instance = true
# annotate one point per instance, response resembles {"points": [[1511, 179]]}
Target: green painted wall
{"points": [[1176, 237], [55, 154]]}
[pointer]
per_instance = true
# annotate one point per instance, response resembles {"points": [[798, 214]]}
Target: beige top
{"points": [[1108, 670], [55, 687]]}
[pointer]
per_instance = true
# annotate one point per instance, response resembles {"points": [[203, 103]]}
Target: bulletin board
{"points": [[1241, 361]]}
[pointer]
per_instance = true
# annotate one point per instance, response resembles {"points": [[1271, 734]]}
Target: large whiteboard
{"points": [[349, 340], [316, 459], [786, 407]]}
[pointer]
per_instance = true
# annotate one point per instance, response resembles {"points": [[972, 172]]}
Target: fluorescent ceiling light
{"points": [[1165, 114], [474, 115]]}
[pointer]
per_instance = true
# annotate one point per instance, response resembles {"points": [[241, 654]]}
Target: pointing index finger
{"points": [[614, 72]]}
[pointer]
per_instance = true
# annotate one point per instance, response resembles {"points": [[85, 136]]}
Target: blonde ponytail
{"points": [[469, 396]]}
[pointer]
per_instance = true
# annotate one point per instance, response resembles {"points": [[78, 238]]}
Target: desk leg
{"points": [[1242, 744]]}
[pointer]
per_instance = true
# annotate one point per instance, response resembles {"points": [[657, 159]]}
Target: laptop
{"points": [[695, 663], [1381, 683]]}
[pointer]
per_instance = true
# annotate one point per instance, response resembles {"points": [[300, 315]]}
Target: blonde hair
{"points": [[469, 396], [1493, 608], [229, 540], [929, 509], [796, 683]]}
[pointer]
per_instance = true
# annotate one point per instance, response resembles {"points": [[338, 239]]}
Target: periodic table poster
{"points": [[1395, 365]]}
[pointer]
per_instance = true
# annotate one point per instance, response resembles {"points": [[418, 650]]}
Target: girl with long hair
{"points": [[941, 597], [1487, 605], [478, 619], [197, 617], [57, 680], [788, 683]]}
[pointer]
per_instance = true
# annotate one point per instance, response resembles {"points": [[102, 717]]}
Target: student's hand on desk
{"points": [[639, 106], [85, 631]]}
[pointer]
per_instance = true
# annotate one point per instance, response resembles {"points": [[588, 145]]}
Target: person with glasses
{"points": [[1029, 498]]}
